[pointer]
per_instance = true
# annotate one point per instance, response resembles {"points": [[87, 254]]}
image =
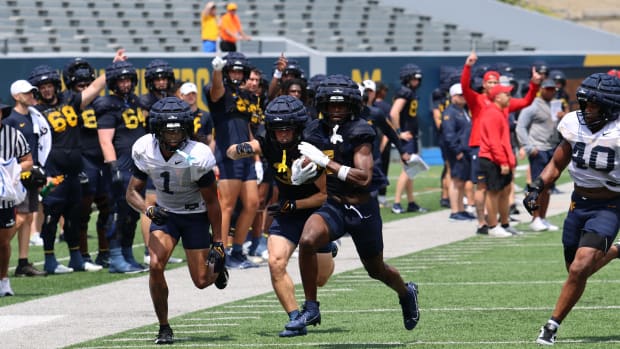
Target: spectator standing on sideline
{"points": [[456, 127], [476, 102], [591, 151], [350, 207], [33, 126], [404, 115], [302, 191], [13, 147], [232, 107], [209, 27], [538, 136], [230, 29], [187, 205], [497, 160]]}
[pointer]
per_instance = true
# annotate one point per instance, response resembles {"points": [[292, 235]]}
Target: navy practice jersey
{"points": [[203, 124], [90, 139], [63, 118], [409, 113], [354, 133], [125, 116]]}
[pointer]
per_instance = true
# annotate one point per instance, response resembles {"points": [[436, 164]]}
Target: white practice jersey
{"points": [[175, 179], [595, 157]]}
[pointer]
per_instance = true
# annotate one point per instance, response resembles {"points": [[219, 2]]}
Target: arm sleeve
{"points": [[470, 95]]}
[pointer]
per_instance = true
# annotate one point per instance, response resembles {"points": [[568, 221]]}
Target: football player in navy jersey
{"points": [[120, 122], [404, 114], [232, 108], [591, 151], [187, 204], [65, 159], [302, 190], [77, 76], [344, 150]]}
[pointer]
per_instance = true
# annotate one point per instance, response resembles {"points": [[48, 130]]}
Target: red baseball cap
{"points": [[490, 74], [497, 89]]}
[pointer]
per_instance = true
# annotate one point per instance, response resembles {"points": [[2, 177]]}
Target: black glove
{"points": [[117, 179], [217, 256], [157, 214], [244, 148], [531, 195], [286, 206], [35, 178]]}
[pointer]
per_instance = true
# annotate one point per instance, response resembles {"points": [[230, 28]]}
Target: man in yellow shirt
{"points": [[209, 23], [230, 29]]}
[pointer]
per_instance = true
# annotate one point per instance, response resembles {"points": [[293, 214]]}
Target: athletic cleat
{"points": [[444, 203], [550, 226], [222, 279], [397, 209], [457, 217], [90, 267], [514, 210], [483, 230], [538, 225], [239, 261], [512, 230], [165, 336], [413, 207], [103, 259], [409, 304], [58, 269], [547, 334], [293, 333], [36, 240], [499, 232], [5, 288], [310, 315], [174, 260], [29, 270], [335, 245]]}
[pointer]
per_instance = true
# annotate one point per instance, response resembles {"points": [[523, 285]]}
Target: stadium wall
{"points": [[376, 66]]}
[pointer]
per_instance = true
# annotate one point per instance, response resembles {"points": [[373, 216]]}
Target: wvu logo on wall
{"points": [[358, 76]]}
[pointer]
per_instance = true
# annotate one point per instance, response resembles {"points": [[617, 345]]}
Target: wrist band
{"points": [[277, 74], [398, 131], [343, 172]]}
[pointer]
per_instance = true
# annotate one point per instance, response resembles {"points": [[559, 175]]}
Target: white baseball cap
{"points": [[369, 85], [456, 89], [21, 86], [188, 88]]}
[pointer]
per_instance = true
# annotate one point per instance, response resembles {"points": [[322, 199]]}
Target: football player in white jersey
{"points": [[591, 150], [187, 204]]}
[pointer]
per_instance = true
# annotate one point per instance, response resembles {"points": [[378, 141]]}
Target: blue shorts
{"points": [[208, 46], [362, 221], [596, 216], [410, 147], [7, 218], [192, 229], [473, 155], [242, 169], [290, 227], [460, 169], [538, 162], [97, 184]]}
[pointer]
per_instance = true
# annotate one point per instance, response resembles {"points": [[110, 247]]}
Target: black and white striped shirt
{"points": [[13, 144]]}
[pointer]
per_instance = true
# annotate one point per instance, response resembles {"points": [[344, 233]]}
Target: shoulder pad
{"points": [[404, 92], [106, 103], [360, 132]]}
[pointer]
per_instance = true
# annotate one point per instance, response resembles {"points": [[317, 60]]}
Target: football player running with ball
{"points": [[591, 151], [182, 172], [302, 189]]}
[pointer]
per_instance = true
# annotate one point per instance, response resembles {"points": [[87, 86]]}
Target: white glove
{"points": [[258, 166], [218, 63], [301, 174], [313, 153]]}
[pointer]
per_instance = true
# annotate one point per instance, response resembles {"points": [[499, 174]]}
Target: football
{"points": [[305, 161]]}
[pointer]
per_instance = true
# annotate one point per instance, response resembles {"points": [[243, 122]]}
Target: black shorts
{"points": [[490, 173], [7, 217]]}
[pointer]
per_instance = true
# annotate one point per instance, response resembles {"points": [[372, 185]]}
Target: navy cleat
{"points": [[310, 315], [293, 333], [547, 334], [165, 336], [237, 260], [409, 304], [222, 279]]}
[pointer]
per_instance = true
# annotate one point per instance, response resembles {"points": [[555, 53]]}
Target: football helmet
{"points": [[172, 122], [285, 112], [293, 70], [558, 76], [44, 74], [541, 67], [338, 89], [117, 71], [158, 68], [78, 70], [408, 72], [236, 61], [603, 90]]}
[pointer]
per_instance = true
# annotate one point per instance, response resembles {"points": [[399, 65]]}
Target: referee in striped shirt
{"points": [[13, 144]]}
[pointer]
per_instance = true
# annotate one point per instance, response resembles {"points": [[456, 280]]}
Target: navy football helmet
{"points": [[558, 76], [541, 67], [285, 112], [603, 90], [168, 116], [236, 61], [338, 89], [44, 74], [293, 70], [117, 71], [408, 72], [158, 68], [77, 71]]}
